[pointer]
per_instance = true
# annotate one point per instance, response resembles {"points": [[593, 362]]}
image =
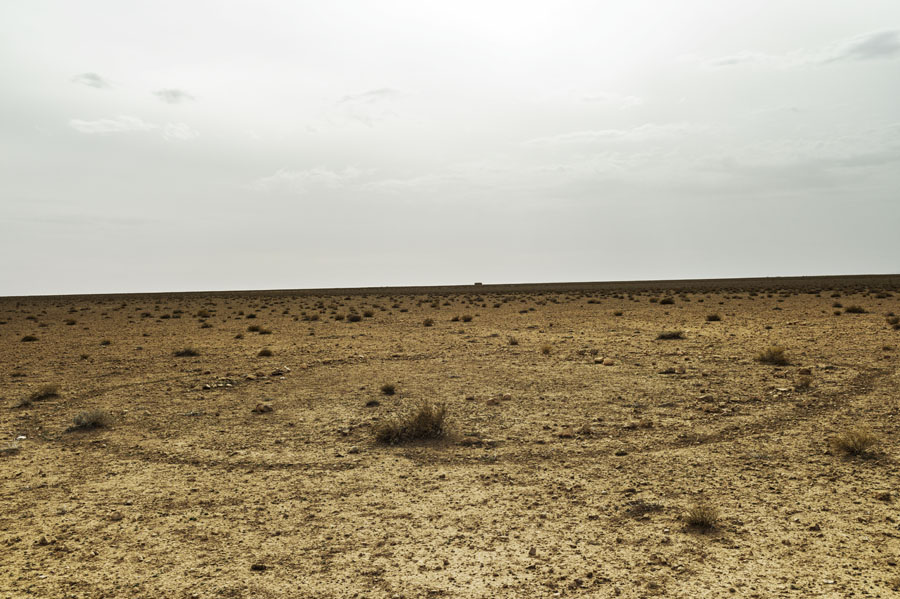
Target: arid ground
{"points": [[578, 442]]}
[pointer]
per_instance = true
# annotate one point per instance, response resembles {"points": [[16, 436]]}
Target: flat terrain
{"points": [[578, 442]]}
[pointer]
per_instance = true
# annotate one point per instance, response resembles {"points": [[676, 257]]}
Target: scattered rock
{"points": [[262, 408], [373, 403], [532, 552], [805, 371], [116, 517], [621, 453], [608, 362], [667, 371], [259, 567], [353, 450]]}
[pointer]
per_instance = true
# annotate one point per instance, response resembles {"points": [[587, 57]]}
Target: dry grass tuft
{"points": [[187, 352], [773, 355], [702, 516], [713, 318], [424, 421], [856, 441], [91, 419], [44, 392], [546, 349], [854, 310], [671, 335], [388, 389], [265, 353]]}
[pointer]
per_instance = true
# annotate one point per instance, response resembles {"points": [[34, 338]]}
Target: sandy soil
{"points": [[562, 476]]}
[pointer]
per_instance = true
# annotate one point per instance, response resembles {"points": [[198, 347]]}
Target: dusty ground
{"points": [[563, 477]]}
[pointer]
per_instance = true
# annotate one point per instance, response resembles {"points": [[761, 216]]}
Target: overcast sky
{"points": [[178, 145]]}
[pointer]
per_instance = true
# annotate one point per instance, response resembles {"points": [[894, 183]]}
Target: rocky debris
{"points": [[259, 567], [353, 450], [116, 517], [262, 408], [373, 403]]}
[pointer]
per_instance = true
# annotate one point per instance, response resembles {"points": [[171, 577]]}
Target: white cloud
{"points": [[645, 132], [173, 96], [120, 124], [619, 101], [92, 80], [179, 132], [868, 46], [302, 181]]}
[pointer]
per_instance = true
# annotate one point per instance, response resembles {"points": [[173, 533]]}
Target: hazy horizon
{"points": [[277, 145]]}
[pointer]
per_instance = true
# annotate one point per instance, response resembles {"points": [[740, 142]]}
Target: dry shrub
{"points": [[425, 420], [265, 353], [92, 419], [546, 349], [428, 322], [713, 318], [388, 389], [702, 516], [773, 355], [855, 441], [187, 352], [671, 335], [44, 392], [854, 310]]}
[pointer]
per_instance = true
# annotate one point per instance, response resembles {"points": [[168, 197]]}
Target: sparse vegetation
{"points": [[29, 338], [428, 322], [423, 421], [855, 441], [187, 352], [773, 355], [265, 353], [388, 389], [671, 335], [854, 310], [546, 349], [44, 392], [702, 516], [713, 318], [92, 419]]}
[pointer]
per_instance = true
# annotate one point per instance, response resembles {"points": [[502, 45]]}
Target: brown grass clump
{"points": [[187, 352], [428, 322], [44, 392], [546, 349], [513, 341], [91, 419], [671, 335], [854, 310], [388, 389], [804, 383], [855, 441], [773, 355], [424, 421], [702, 516], [28, 338], [713, 318], [265, 353]]}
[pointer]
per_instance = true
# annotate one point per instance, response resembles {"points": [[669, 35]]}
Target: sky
{"points": [[190, 145]]}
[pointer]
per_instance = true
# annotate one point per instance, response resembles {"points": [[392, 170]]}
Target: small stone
{"points": [[805, 371], [207, 387], [608, 362], [353, 450], [506, 397], [262, 408], [259, 567], [373, 403], [621, 453], [532, 552], [43, 542], [250, 377], [115, 516]]}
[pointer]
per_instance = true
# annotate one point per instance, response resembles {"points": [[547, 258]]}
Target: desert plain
{"points": [[201, 445]]}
